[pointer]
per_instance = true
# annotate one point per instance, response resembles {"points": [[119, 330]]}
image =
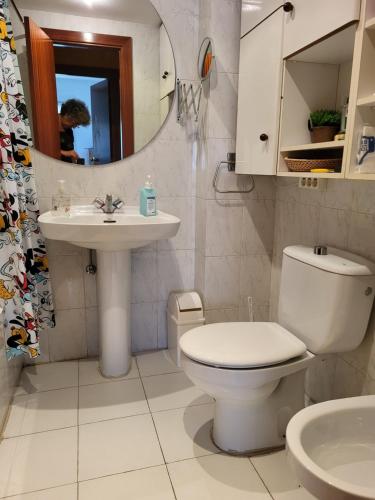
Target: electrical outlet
{"points": [[312, 183]]}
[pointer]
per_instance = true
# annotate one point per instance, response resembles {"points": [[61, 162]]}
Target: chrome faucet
{"points": [[109, 205]]}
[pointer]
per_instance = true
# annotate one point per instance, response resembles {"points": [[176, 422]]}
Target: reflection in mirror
{"points": [[99, 77], [205, 59]]}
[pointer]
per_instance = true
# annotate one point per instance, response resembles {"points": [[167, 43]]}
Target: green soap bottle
{"points": [[148, 199]]}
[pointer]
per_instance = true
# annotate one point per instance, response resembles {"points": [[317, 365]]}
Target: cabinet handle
{"points": [[288, 7], [263, 137]]}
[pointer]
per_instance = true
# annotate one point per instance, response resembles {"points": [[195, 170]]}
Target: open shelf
{"points": [[312, 146], [366, 101], [335, 175]]}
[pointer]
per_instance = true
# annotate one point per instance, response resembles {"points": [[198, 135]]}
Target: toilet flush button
{"points": [[320, 250]]}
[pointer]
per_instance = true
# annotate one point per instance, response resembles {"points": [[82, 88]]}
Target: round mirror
{"points": [[99, 77], [205, 59]]}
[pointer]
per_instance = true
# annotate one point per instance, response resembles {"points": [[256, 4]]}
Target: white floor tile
{"points": [[89, 372], [146, 484], [174, 390], [61, 493], [186, 432], [37, 378], [117, 446], [42, 411], [279, 477], [217, 477], [38, 461], [156, 363], [113, 400]]}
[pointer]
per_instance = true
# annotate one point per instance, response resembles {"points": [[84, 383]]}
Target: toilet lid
{"points": [[241, 345]]}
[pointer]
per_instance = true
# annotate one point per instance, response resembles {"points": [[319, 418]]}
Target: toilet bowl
{"points": [[255, 371]]}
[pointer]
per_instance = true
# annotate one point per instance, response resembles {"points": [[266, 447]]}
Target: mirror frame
{"points": [[200, 59]]}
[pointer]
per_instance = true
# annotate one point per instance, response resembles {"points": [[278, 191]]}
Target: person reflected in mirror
{"points": [[74, 113]]}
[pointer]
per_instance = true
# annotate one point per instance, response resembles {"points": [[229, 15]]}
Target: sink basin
{"points": [[112, 236], [331, 446], [88, 227]]}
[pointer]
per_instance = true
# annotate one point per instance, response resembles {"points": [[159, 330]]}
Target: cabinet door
{"points": [[253, 13], [167, 73], [310, 21], [259, 98]]}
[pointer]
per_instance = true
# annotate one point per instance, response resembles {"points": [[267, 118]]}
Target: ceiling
{"points": [[136, 11]]}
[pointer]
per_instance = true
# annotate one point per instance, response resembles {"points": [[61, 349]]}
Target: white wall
{"points": [[234, 231], [146, 70], [342, 216], [156, 270], [9, 374]]}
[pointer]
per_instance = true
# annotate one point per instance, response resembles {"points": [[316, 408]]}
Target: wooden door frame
{"points": [[125, 46]]}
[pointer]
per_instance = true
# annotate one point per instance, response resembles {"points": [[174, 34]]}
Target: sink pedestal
{"points": [[113, 290]]}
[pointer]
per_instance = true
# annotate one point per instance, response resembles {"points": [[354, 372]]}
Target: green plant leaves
{"points": [[322, 117]]}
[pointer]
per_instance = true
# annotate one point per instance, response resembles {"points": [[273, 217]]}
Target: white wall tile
{"points": [[334, 227], [222, 107], [223, 228], [222, 282], [255, 277], [144, 326], [67, 281], [144, 277], [175, 271], [258, 227], [68, 339]]}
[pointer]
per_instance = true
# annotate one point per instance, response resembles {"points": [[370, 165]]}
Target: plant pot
{"points": [[323, 134]]}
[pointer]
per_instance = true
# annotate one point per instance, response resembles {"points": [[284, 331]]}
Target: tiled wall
{"points": [[156, 270], [227, 259], [234, 233], [342, 214], [9, 373], [146, 69]]}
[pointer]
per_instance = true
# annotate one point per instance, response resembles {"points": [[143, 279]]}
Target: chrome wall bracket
{"points": [[230, 162]]}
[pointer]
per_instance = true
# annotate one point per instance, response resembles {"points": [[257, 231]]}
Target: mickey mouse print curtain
{"points": [[24, 278]]}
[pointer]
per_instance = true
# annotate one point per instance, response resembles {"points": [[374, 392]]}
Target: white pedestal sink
{"points": [[112, 236]]}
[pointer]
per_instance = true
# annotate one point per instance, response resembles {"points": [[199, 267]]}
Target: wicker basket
{"points": [[299, 165]]}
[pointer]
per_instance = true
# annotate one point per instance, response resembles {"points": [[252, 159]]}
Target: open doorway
{"points": [[107, 58], [83, 88], [91, 74]]}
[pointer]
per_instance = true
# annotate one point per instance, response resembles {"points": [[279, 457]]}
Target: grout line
{"points": [[17, 495], [157, 436], [260, 477]]}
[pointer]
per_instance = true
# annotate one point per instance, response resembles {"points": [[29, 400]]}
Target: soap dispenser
{"points": [[148, 199], [61, 200]]}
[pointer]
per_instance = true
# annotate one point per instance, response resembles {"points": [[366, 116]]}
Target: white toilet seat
{"points": [[241, 345]]}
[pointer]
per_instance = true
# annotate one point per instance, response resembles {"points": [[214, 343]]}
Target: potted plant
{"points": [[324, 124]]}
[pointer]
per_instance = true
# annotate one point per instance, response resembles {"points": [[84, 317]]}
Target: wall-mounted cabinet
{"points": [[328, 62], [259, 98], [310, 21]]}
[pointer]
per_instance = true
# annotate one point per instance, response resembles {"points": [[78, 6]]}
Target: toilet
{"points": [[255, 371]]}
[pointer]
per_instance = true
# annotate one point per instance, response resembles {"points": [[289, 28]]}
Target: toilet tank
{"points": [[326, 300]]}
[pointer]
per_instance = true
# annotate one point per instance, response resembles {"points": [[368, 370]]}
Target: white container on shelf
{"points": [[185, 312]]}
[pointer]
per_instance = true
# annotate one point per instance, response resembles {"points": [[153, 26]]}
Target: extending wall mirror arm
{"points": [[188, 96]]}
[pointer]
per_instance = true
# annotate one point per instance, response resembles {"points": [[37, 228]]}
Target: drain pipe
{"points": [[91, 267]]}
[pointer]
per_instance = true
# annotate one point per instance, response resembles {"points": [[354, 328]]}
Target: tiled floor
{"points": [[72, 435]]}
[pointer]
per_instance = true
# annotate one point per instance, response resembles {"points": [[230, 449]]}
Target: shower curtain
{"points": [[24, 279]]}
